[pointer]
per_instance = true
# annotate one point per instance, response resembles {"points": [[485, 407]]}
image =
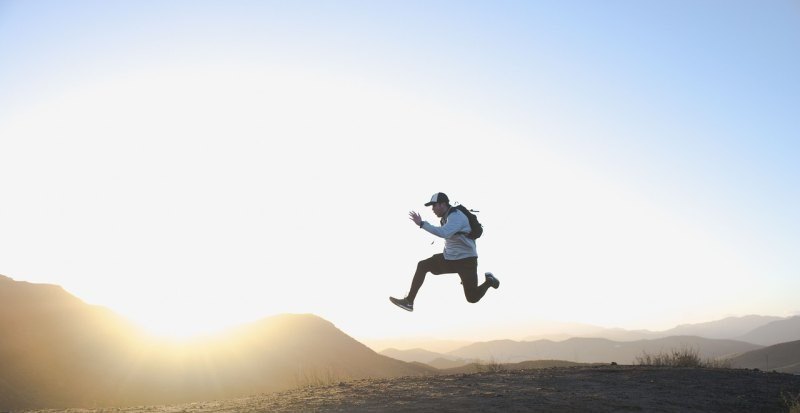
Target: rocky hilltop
{"points": [[563, 389]]}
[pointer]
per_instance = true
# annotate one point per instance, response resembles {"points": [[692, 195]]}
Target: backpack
{"points": [[476, 228]]}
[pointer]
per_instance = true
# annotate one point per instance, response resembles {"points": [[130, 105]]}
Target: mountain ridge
{"points": [[783, 357], [597, 350], [59, 352]]}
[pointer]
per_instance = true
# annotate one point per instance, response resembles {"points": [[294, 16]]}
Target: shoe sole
{"points": [[397, 303]]}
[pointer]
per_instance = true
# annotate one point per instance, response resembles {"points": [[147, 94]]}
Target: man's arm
{"points": [[456, 222]]}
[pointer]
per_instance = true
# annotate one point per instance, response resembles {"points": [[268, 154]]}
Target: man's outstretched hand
{"points": [[414, 216]]}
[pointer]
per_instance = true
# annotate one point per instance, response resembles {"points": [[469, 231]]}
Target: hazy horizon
{"points": [[533, 329], [195, 166]]}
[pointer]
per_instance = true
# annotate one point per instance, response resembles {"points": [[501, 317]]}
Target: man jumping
{"points": [[460, 254]]}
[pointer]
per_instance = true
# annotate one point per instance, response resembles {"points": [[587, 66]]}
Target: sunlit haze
{"points": [[198, 165]]}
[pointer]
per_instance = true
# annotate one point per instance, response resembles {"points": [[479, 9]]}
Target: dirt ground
{"points": [[571, 389]]}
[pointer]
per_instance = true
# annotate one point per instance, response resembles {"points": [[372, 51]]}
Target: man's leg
{"points": [[434, 265], [469, 279]]}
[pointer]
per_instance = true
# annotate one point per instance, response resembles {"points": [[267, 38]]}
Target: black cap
{"points": [[438, 197]]}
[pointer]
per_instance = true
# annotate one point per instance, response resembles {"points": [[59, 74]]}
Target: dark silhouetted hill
{"points": [[784, 357], [56, 351]]}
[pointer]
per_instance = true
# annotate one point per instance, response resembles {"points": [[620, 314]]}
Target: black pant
{"points": [[466, 268]]}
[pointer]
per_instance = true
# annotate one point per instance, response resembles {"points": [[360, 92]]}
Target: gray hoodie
{"points": [[454, 230]]}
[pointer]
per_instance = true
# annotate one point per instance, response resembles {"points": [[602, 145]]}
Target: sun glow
{"points": [[192, 200], [182, 187], [198, 194]]}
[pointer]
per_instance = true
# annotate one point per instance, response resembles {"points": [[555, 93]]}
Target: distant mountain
{"points": [[525, 365], [733, 328], [433, 359], [784, 357], [56, 352], [615, 334], [596, 350], [442, 363], [430, 344], [780, 331], [417, 355], [753, 329], [712, 339], [562, 331], [727, 328]]}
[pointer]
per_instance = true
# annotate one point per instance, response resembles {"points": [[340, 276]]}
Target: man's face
{"points": [[439, 209]]}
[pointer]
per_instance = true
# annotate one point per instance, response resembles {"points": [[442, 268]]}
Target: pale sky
{"points": [[197, 165]]}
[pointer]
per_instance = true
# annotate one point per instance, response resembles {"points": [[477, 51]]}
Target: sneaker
{"points": [[402, 303], [492, 280]]}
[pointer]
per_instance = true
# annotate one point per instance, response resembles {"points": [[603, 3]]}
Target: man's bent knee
{"points": [[473, 298]]}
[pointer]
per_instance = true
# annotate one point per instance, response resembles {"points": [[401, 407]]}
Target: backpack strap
{"points": [[443, 219], [452, 209]]}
